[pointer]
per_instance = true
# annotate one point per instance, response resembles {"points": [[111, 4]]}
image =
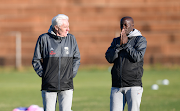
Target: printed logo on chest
{"points": [[52, 51]]}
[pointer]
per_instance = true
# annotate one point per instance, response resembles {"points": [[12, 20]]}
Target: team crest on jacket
{"points": [[66, 50]]}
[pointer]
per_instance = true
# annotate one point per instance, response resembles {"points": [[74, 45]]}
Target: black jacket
{"points": [[56, 60], [127, 70]]}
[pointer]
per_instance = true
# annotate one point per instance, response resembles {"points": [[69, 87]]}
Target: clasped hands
{"points": [[124, 38]]}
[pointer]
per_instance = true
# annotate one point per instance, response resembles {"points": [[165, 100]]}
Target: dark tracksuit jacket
{"points": [[127, 60], [56, 60]]}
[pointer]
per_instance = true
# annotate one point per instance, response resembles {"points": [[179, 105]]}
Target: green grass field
{"points": [[92, 89]]}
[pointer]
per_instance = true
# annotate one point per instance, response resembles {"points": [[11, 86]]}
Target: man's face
{"points": [[127, 26], [63, 29]]}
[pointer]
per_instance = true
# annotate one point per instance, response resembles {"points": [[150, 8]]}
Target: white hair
{"points": [[57, 20]]}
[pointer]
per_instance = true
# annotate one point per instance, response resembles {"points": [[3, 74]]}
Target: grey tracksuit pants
{"points": [[131, 95], [64, 98]]}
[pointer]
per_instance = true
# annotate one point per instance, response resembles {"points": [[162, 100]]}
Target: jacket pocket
{"points": [[50, 73], [51, 68], [66, 70]]}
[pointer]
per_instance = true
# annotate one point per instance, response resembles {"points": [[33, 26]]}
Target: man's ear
{"points": [[56, 27], [133, 25]]}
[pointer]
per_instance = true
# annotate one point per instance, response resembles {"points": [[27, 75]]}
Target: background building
{"points": [[94, 23]]}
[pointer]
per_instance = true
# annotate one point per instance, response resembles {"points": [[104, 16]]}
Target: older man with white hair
{"points": [[56, 60]]}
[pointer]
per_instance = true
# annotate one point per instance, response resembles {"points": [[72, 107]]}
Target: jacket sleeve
{"points": [[76, 59], [137, 52], [36, 61], [112, 52]]}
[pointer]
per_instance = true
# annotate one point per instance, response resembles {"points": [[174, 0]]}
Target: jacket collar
{"points": [[134, 33]]}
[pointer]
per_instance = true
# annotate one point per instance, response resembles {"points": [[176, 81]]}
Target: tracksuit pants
{"points": [[64, 98], [131, 95]]}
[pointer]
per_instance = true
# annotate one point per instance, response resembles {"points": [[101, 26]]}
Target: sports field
{"points": [[92, 89]]}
